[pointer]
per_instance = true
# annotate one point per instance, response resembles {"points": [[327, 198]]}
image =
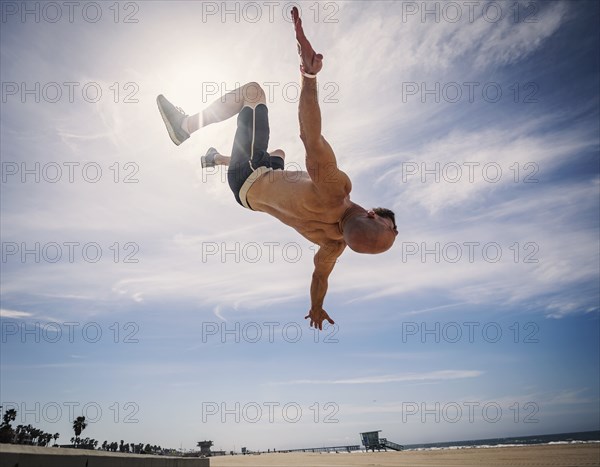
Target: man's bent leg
{"points": [[249, 156], [180, 125], [249, 95]]}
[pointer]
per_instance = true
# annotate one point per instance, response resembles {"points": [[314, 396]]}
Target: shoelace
{"points": [[180, 110]]}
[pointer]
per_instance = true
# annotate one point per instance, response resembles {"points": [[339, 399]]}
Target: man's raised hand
{"points": [[311, 62]]}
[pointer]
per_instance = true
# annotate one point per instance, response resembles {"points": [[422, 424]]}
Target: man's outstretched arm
{"points": [[321, 164], [320, 159], [325, 260], [309, 112]]}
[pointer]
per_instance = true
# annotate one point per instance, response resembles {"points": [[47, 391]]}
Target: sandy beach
{"points": [[578, 455]]}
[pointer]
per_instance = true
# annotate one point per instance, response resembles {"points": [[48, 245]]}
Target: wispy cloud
{"points": [[435, 308], [442, 375], [218, 313], [562, 308], [14, 314]]}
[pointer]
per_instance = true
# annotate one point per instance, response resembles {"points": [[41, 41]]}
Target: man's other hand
{"points": [[317, 316]]}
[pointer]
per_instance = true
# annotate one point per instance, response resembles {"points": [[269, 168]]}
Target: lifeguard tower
{"points": [[205, 448], [372, 441]]}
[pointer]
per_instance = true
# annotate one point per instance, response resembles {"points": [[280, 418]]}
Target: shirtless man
{"points": [[316, 203]]}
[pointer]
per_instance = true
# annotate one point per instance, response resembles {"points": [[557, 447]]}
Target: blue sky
{"points": [[499, 340]]}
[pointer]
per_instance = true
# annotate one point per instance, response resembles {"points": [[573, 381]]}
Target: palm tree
{"points": [[28, 434], [78, 426], [9, 416], [56, 436], [35, 434], [6, 431]]}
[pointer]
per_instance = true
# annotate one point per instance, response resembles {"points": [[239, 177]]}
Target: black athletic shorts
{"points": [[250, 148]]}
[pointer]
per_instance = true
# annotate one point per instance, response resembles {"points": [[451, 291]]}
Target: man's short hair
{"points": [[384, 212]]}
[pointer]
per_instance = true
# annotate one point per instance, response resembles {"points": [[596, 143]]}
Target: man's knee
{"points": [[253, 94]]}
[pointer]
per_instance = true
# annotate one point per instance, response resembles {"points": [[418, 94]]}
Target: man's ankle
{"points": [[192, 123], [184, 125]]}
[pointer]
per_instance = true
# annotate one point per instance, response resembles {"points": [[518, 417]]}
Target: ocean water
{"points": [[560, 438]]}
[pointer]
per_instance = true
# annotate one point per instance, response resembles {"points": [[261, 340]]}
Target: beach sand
{"points": [[571, 455]]}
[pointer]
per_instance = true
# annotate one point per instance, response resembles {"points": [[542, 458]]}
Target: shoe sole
{"points": [[170, 128]]}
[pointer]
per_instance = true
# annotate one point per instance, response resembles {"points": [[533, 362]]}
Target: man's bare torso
{"points": [[314, 210]]}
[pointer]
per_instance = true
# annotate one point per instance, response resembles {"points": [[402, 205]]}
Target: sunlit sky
{"points": [[200, 303]]}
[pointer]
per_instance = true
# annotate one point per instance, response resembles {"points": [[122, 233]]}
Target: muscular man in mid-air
{"points": [[317, 202]]}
